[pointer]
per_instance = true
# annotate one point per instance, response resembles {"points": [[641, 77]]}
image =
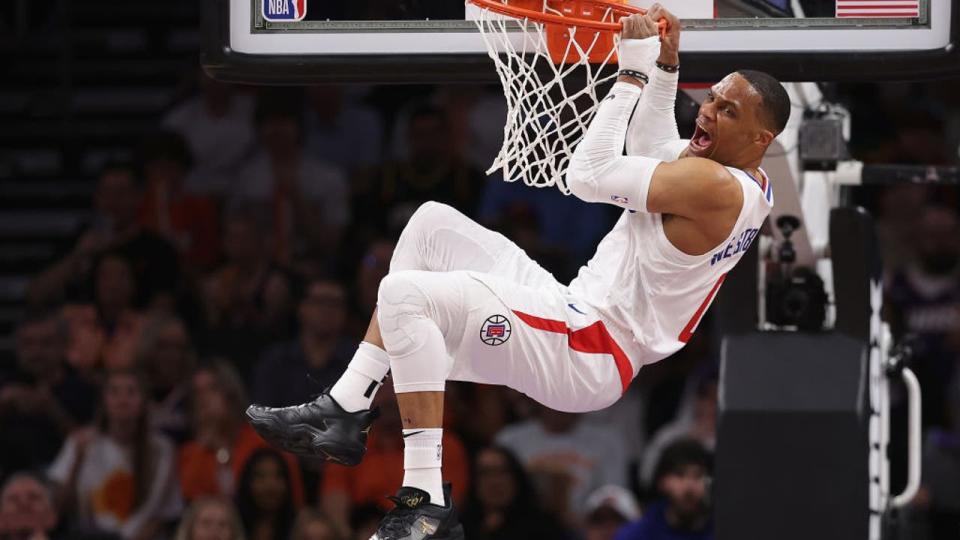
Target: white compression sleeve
{"points": [[598, 170], [653, 128]]}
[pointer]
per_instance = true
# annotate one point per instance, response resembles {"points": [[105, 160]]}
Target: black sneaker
{"points": [[414, 518], [317, 428]]}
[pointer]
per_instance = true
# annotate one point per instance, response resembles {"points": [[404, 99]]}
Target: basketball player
{"points": [[464, 303]]}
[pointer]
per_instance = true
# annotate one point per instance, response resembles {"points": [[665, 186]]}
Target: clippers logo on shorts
{"points": [[495, 330], [619, 199], [284, 10]]}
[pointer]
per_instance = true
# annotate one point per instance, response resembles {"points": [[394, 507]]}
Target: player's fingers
{"points": [[660, 13], [649, 23], [629, 25]]}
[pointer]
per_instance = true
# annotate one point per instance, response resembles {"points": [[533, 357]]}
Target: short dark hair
{"points": [[680, 454], [775, 100]]}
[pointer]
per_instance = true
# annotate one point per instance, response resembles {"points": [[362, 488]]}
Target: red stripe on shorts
{"points": [[590, 339], [687, 331]]}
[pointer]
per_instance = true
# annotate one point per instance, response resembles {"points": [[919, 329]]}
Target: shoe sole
{"points": [[303, 440]]}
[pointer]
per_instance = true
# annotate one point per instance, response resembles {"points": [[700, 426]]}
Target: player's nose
{"points": [[707, 112]]}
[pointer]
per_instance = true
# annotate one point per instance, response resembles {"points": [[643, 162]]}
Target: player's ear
{"points": [[764, 137]]}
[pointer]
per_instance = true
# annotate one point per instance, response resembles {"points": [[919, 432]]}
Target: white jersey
{"points": [[651, 295]]}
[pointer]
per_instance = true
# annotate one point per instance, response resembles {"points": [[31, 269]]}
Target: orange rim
{"points": [[523, 13]]}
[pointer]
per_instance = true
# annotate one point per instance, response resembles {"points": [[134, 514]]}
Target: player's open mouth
{"points": [[701, 141]]}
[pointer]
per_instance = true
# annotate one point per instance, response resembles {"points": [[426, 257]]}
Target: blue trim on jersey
{"points": [[768, 192]]}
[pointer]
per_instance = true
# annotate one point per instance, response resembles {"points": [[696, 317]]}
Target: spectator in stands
{"points": [[502, 504], [304, 199], [312, 525], [432, 170], [27, 509], [113, 227], [475, 114], [248, 300], [265, 496], [520, 221], [217, 123], [44, 400], [608, 510], [166, 356], [923, 299], [480, 411], [567, 458], [117, 476], [289, 373], [380, 472], [566, 230], [105, 333], [187, 221], [212, 462], [374, 265], [341, 130], [683, 513], [365, 520], [898, 207], [211, 518], [697, 420], [940, 489]]}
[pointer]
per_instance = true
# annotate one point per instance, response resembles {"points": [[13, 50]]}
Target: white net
{"points": [[549, 105]]}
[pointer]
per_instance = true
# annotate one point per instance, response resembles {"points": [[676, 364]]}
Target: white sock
{"points": [[358, 385], [422, 458]]}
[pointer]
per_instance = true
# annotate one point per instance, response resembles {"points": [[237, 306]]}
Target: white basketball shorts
{"points": [[506, 320]]}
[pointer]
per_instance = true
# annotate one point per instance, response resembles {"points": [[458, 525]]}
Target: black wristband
{"points": [[638, 75], [669, 68]]}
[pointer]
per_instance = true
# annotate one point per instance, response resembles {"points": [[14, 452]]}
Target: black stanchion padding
{"points": [[792, 448], [857, 270]]}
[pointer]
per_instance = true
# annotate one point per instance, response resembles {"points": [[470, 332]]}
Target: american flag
{"points": [[878, 8]]}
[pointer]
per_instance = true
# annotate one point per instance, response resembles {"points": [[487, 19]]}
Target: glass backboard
{"points": [[302, 41]]}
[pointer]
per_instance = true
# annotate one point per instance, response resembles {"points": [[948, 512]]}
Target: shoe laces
{"points": [[397, 522]]}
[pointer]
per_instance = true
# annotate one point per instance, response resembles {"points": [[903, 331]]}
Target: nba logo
{"points": [[284, 10]]}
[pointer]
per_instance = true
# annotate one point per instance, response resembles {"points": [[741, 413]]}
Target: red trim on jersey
{"points": [[687, 331], [590, 339]]}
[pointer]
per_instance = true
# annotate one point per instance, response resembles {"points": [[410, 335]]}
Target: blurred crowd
{"points": [[234, 255]]}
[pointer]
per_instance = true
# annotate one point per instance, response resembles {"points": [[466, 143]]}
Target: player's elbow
{"points": [[581, 180]]}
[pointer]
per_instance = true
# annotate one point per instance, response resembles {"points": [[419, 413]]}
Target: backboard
{"points": [[304, 41]]}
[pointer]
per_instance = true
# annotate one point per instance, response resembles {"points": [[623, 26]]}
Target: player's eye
{"points": [[709, 96], [729, 111]]}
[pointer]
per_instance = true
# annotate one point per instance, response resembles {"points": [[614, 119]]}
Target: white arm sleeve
{"points": [[598, 170], [653, 127]]}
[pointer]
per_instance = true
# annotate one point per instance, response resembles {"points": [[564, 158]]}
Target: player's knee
{"points": [[401, 292], [428, 216]]}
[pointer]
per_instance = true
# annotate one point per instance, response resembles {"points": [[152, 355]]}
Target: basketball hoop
{"points": [[551, 56]]}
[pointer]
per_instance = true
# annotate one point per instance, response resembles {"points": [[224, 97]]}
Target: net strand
{"points": [[549, 106]]}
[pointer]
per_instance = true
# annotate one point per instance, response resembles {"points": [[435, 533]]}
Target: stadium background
{"points": [[203, 245]]}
